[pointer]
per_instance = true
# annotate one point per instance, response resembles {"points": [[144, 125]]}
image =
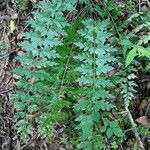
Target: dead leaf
{"points": [[19, 36], [143, 104], [143, 107], [15, 76], [14, 16], [132, 142], [145, 8], [6, 40], [143, 121], [32, 80], [20, 53], [33, 1]]}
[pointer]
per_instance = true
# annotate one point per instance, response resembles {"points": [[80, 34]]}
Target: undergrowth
{"points": [[74, 68]]}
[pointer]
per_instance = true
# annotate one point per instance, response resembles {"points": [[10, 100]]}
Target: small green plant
{"points": [[41, 72], [68, 74], [112, 128], [22, 4], [95, 59], [137, 51]]}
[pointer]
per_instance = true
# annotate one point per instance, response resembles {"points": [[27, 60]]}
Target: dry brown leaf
{"points": [[32, 80], [6, 40], [19, 37], [143, 121], [132, 142], [143, 104], [33, 1], [15, 76], [20, 53], [14, 15]]}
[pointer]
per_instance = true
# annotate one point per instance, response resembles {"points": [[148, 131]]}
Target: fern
{"points": [[139, 36], [45, 84], [66, 74], [94, 98], [131, 45], [40, 71]]}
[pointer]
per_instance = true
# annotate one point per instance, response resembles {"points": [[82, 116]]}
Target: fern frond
{"points": [[96, 59], [40, 70]]}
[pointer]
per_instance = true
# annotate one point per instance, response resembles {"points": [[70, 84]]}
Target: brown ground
{"points": [[8, 137]]}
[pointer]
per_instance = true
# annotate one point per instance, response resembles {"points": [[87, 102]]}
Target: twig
{"points": [[64, 73], [122, 113], [30, 141], [5, 56], [134, 126], [78, 15], [139, 5], [114, 23], [5, 91], [46, 148], [131, 129], [148, 107]]}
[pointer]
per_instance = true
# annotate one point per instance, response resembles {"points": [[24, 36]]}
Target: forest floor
{"points": [[12, 24]]}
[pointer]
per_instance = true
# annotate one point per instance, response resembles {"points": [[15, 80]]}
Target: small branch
{"points": [[134, 126], [139, 5], [124, 113], [5, 56], [5, 91], [131, 129], [64, 73], [147, 111], [31, 140], [111, 17]]}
